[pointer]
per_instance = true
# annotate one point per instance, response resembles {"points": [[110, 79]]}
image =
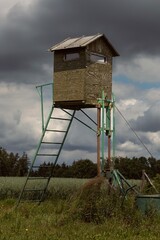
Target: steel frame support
{"points": [[114, 130], [120, 179], [105, 127], [98, 141]]}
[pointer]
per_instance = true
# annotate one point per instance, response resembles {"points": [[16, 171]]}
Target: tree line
{"points": [[12, 164]]}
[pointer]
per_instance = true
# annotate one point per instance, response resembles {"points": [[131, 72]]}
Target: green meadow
{"points": [[74, 209]]}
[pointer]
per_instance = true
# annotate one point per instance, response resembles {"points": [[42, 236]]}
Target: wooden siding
{"points": [[98, 78], [69, 85], [99, 46]]}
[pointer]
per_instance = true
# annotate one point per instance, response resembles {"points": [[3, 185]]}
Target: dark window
{"points": [[71, 56]]}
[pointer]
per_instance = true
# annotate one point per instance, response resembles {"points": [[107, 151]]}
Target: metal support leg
{"points": [[109, 153], [98, 141]]}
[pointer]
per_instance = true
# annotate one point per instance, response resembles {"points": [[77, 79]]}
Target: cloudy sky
{"points": [[29, 27]]}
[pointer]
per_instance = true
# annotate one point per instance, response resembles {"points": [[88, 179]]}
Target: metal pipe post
{"points": [[98, 140], [113, 135], [42, 112], [109, 153], [102, 131]]}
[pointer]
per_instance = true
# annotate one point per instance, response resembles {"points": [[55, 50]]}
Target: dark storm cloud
{"points": [[27, 33]]}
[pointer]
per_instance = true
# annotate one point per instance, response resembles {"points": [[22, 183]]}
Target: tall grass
{"points": [[78, 209], [56, 220]]}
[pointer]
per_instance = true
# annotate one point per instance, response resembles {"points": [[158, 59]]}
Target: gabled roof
{"points": [[81, 42]]}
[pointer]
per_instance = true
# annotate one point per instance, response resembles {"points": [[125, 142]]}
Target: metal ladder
{"points": [[49, 148]]}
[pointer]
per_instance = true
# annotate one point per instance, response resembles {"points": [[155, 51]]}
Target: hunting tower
{"points": [[82, 79], [82, 69]]}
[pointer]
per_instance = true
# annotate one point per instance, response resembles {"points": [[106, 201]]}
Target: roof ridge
{"points": [[93, 36]]}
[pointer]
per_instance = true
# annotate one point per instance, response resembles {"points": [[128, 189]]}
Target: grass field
{"points": [[72, 214]]}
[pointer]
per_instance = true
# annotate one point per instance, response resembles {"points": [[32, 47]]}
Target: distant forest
{"points": [[12, 164]]}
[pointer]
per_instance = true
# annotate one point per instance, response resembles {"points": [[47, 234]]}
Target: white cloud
{"points": [[129, 146], [132, 108], [154, 138], [153, 95], [141, 68]]}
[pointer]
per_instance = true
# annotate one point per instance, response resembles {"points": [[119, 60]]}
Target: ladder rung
{"points": [[49, 130], [66, 119], [52, 142], [46, 155]]}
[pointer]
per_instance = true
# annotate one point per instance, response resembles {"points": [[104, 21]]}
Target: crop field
{"points": [[74, 209], [59, 187]]}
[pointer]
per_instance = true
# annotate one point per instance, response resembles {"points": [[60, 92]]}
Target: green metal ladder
{"points": [[52, 139]]}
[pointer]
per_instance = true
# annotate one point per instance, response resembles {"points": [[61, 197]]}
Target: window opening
{"points": [[71, 56], [98, 58]]}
